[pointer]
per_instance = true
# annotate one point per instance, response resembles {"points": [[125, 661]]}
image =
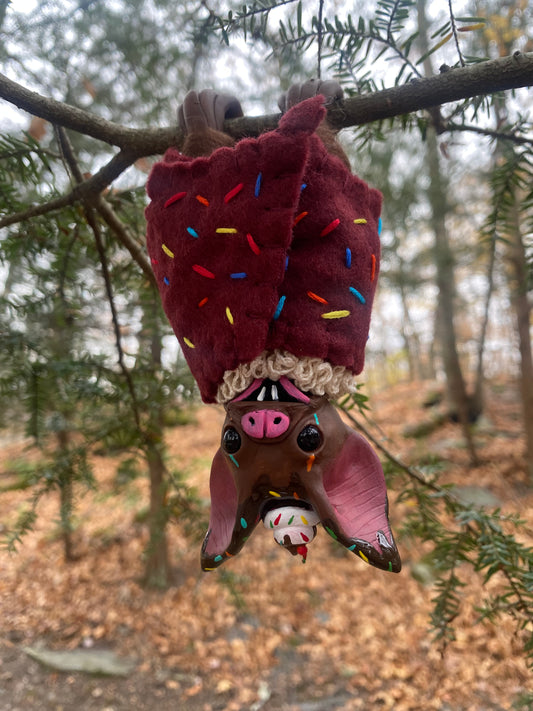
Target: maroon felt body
{"points": [[271, 244]]}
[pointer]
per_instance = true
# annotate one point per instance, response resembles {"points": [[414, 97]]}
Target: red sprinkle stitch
{"points": [[304, 537], [253, 246], [373, 274], [203, 271], [203, 302], [300, 217], [154, 261], [316, 297], [277, 519], [236, 190], [330, 227], [203, 200], [174, 198]]}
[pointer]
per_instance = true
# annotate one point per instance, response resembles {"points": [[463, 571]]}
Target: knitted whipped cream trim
{"points": [[308, 374]]}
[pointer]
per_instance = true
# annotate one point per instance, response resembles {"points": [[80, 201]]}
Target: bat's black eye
{"points": [[309, 438], [231, 441]]}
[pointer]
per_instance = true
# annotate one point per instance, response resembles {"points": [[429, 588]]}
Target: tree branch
{"points": [[454, 85]]}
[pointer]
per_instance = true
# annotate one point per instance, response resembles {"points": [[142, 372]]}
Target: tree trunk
{"points": [[444, 261], [157, 568], [519, 297]]}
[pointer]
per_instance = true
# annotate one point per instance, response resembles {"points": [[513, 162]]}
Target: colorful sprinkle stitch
{"points": [[299, 217], [316, 297], [304, 537], [167, 251], [380, 226], [174, 199], [244, 523], [203, 302], [363, 556], [360, 221], [154, 261], [209, 568], [277, 519], [218, 558], [234, 460], [304, 521], [329, 228], [331, 533], [189, 343], [390, 566], [316, 419], [290, 520], [274, 493], [226, 230], [236, 190], [166, 281], [203, 200], [253, 246], [257, 189], [352, 547], [202, 271], [279, 308], [336, 314], [358, 295], [239, 275], [229, 315], [373, 272], [286, 263], [310, 462], [348, 257], [304, 185], [192, 232]]}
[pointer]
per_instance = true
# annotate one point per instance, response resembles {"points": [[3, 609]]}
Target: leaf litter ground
{"points": [[264, 631]]}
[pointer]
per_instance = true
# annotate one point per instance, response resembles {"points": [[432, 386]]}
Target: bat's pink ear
{"points": [[356, 490], [223, 512]]}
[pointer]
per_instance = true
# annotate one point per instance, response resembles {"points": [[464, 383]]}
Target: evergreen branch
{"points": [[454, 32], [497, 135]]}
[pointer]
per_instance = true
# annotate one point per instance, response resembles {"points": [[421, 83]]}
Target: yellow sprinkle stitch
{"points": [[336, 314], [167, 251], [229, 315], [226, 230], [304, 520], [360, 221], [189, 343], [274, 493], [363, 556]]}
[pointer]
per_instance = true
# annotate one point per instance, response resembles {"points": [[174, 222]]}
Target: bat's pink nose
{"points": [[265, 423]]}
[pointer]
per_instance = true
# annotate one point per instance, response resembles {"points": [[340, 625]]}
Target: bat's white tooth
{"points": [[262, 394], [274, 391]]}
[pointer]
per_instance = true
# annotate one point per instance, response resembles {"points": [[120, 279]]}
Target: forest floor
{"points": [[263, 632]]}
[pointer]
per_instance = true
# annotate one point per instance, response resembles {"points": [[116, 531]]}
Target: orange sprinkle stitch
{"points": [[203, 200], [300, 217], [236, 190], [373, 273], [203, 302], [310, 462], [316, 297], [329, 228]]}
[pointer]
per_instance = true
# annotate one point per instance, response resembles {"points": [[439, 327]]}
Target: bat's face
{"points": [[288, 459]]}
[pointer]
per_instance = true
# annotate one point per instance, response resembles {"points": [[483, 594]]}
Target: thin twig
{"points": [[320, 38], [455, 36]]}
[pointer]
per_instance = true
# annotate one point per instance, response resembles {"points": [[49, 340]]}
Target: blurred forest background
{"points": [[90, 371]]}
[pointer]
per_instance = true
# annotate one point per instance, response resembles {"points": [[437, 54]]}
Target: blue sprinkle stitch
{"points": [[258, 185], [350, 548], [286, 263], [279, 308], [304, 185], [358, 295], [217, 558], [348, 257], [244, 523], [380, 226], [192, 232], [316, 418], [234, 460], [239, 275], [166, 281]]}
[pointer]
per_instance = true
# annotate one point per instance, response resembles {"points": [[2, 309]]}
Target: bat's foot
{"points": [[207, 109], [331, 90]]}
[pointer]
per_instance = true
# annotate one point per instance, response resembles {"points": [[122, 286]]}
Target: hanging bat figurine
{"points": [[266, 254]]}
